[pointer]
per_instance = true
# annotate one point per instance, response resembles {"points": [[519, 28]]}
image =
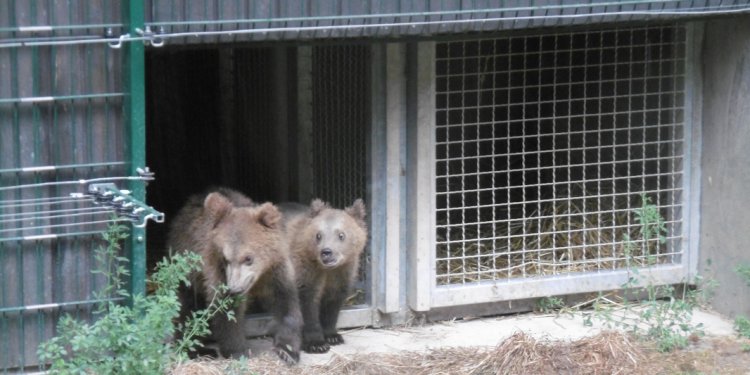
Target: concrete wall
{"points": [[725, 200]]}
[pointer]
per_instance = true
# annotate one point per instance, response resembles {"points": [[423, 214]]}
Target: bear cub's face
{"points": [[244, 240], [337, 236]]}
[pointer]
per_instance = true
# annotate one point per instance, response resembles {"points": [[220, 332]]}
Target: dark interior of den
{"points": [[278, 123]]}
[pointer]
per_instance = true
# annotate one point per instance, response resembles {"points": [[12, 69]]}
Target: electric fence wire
{"points": [[157, 39], [102, 203]]}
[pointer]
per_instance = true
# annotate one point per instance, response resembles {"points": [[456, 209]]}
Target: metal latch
{"points": [[125, 206]]}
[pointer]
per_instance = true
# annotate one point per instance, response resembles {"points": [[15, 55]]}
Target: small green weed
{"points": [[741, 322], [744, 271], [661, 316], [135, 339], [742, 326], [237, 367], [549, 305]]}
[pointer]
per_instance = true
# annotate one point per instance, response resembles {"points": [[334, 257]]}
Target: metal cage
{"points": [[547, 143], [545, 147]]}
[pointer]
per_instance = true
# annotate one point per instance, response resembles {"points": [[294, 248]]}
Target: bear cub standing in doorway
{"points": [[242, 245], [325, 245]]}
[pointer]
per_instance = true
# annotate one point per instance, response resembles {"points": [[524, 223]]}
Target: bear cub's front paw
{"points": [[287, 354], [334, 339], [316, 346]]}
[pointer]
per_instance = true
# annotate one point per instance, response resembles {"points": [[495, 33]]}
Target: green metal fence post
{"points": [[134, 115]]}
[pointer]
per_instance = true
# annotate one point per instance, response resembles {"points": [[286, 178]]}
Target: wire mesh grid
{"points": [[340, 122], [340, 118], [546, 146]]}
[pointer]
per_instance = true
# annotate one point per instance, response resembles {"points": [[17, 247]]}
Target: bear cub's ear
{"points": [[317, 206], [217, 205], [269, 215], [358, 212]]}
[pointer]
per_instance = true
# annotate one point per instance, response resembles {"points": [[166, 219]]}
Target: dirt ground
{"points": [[520, 344], [608, 352], [709, 355]]}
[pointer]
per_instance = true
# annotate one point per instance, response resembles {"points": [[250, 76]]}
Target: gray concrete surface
{"points": [[476, 332], [725, 166]]}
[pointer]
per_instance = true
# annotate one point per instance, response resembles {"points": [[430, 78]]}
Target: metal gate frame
{"points": [[134, 113], [424, 293], [38, 305]]}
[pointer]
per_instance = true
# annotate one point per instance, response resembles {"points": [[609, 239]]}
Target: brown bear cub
{"points": [[325, 245], [243, 246]]}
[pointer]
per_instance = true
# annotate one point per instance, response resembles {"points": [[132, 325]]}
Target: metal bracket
{"points": [[151, 38], [148, 36], [107, 194]]}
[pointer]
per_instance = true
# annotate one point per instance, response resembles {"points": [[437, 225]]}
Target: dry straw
{"points": [[585, 233], [606, 353]]}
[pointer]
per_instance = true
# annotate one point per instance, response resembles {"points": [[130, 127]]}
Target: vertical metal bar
{"points": [[422, 169], [568, 146], [615, 63], [21, 298], [377, 173], [599, 193], [629, 141], [584, 135], [539, 122], [556, 54], [524, 200], [448, 164], [395, 92], [134, 116], [508, 165], [693, 129], [660, 74], [463, 162], [37, 318], [493, 155], [280, 133], [304, 118], [642, 127], [75, 252]]}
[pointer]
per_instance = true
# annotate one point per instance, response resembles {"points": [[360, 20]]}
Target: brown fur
{"points": [[243, 247], [325, 245]]}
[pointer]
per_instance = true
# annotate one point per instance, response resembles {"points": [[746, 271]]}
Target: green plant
{"points": [[237, 367], [741, 322], [744, 271], [661, 316], [742, 326], [135, 338], [548, 305]]}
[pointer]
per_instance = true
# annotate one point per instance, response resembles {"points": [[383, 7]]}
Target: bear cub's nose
{"points": [[326, 255]]}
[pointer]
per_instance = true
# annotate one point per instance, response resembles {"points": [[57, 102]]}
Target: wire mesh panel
{"points": [[61, 128], [548, 143], [340, 122]]}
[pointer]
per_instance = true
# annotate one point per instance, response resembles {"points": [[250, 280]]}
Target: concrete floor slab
{"points": [[479, 332]]}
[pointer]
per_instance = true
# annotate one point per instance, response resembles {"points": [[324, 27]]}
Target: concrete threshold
{"points": [[478, 332]]}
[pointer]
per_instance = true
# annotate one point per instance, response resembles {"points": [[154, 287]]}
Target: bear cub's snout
{"points": [[327, 257]]}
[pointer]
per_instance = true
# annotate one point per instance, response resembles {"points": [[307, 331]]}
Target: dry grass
{"points": [[606, 353], [582, 234]]}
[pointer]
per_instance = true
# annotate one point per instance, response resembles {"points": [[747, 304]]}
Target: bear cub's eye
{"points": [[248, 260], [318, 236], [342, 236]]}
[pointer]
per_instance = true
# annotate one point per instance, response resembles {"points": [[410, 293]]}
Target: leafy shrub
{"points": [[664, 316], [134, 338]]}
